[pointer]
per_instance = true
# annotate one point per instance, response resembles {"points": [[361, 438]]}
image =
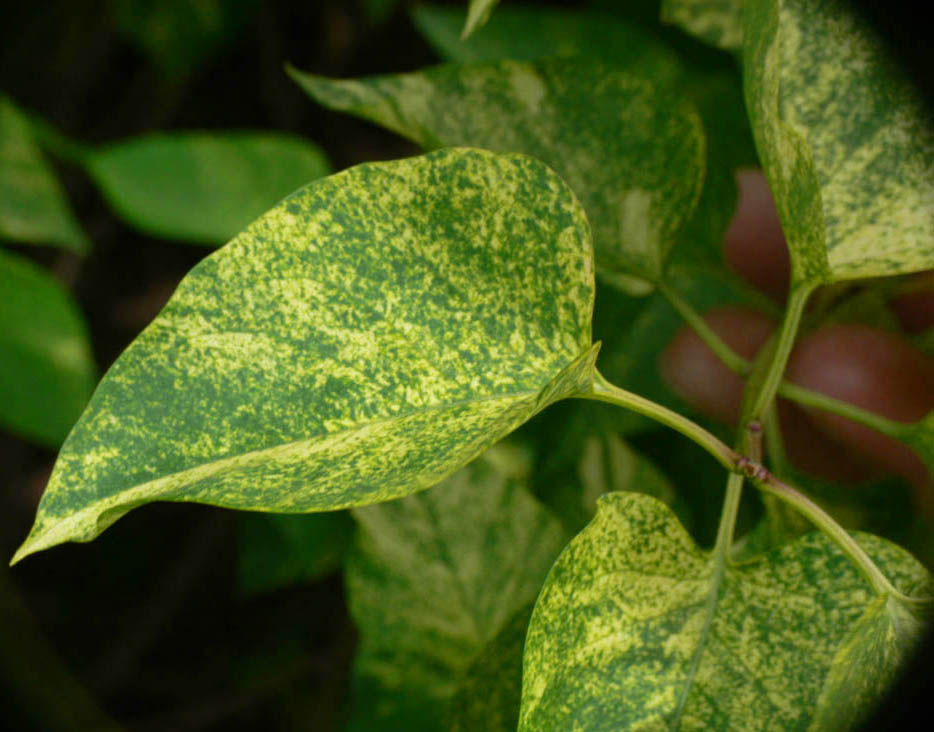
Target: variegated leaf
{"points": [[634, 154], [844, 140], [638, 628], [358, 343]]}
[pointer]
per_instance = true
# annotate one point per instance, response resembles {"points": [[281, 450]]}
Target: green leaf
{"points": [[202, 187], [491, 689], [432, 580], [477, 15], [632, 153], [374, 332], [844, 141], [866, 665], [33, 206], [279, 550], [637, 628], [529, 34], [717, 22], [46, 369]]}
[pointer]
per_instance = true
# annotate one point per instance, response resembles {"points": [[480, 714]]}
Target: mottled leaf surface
{"points": [[278, 550], [866, 665], [633, 154], [528, 34], [635, 627], [46, 369], [477, 15], [361, 341], [844, 141], [432, 580], [202, 187], [33, 207], [717, 22]]}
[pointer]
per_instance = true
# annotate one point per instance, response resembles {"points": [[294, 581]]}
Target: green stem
{"points": [[604, 391], [767, 482], [792, 392], [808, 398], [734, 492], [786, 339], [727, 355]]}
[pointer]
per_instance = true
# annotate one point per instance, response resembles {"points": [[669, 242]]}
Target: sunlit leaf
{"points": [[33, 207], [637, 628], [361, 341], [202, 187], [844, 140], [633, 154], [717, 22], [46, 369], [433, 579]]}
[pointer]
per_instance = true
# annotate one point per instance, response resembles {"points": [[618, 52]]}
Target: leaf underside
{"points": [[632, 630], [368, 336]]}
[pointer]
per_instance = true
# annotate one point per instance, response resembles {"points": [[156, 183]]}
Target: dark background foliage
{"points": [[147, 622]]}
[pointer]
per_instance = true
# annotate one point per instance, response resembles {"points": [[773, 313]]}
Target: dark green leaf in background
{"points": [[529, 34], [361, 341], [279, 550], [717, 22], [33, 206], [636, 628], [46, 368], [490, 691], [433, 579], [632, 153], [202, 187], [180, 35], [844, 140]]}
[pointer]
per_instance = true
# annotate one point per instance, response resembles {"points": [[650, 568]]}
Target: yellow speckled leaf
{"points": [[844, 140], [638, 628], [634, 154], [368, 336], [33, 206], [718, 22], [866, 665], [432, 581]]}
